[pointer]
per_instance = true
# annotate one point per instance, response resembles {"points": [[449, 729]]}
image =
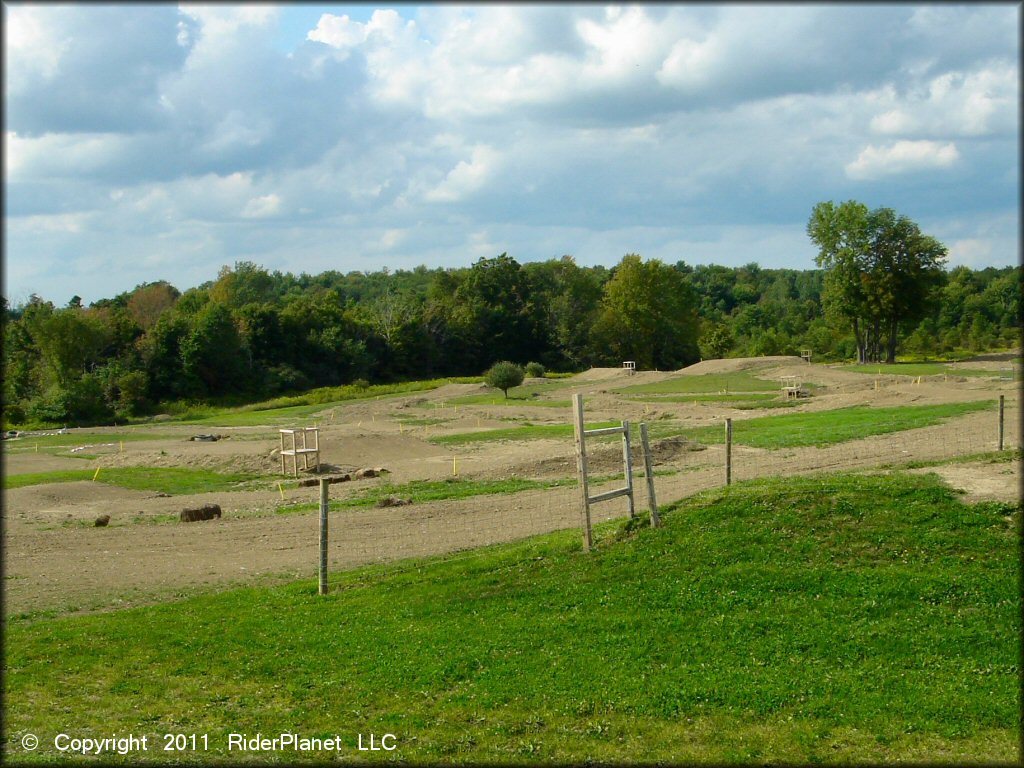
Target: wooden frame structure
{"points": [[806, 354], [300, 448], [629, 367], [581, 434], [790, 387]]}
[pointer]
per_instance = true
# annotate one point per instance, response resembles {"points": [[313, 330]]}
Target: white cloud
{"points": [[262, 207], [893, 122], [902, 157], [220, 20], [981, 102], [34, 46], [63, 155], [342, 32], [69, 223], [971, 252], [440, 133], [466, 177]]}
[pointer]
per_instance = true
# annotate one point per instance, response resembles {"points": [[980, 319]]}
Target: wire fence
{"points": [[683, 467]]}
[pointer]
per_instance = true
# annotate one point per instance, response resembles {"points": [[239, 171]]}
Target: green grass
{"points": [[987, 457], [525, 394], [291, 408], [422, 491], [834, 618], [175, 481], [739, 381], [835, 426], [524, 432], [749, 397], [54, 443], [917, 369]]}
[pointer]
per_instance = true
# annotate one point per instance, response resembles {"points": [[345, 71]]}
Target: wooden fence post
{"points": [[627, 464], [652, 502], [323, 535], [581, 468], [728, 451], [1001, 399]]}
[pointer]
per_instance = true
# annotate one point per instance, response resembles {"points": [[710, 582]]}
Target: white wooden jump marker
{"points": [[300, 448], [629, 367]]}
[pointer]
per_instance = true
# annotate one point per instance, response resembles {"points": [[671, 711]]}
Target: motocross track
{"points": [[57, 561]]}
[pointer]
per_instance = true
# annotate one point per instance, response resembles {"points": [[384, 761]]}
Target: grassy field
{"points": [[292, 407], [175, 481], [917, 369], [58, 444], [523, 432], [422, 491], [708, 383], [830, 427], [782, 431], [832, 618]]}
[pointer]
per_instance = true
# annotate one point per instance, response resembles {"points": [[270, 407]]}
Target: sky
{"points": [[162, 142]]}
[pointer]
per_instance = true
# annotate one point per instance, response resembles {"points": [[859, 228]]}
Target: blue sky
{"points": [[161, 141]]}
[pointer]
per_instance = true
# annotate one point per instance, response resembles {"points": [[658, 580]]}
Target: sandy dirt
{"points": [[56, 560]]}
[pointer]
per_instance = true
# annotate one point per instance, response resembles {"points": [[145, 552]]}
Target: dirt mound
{"points": [[350, 451], [733, 364], [600, 374], [457, 390], [995, 357]]}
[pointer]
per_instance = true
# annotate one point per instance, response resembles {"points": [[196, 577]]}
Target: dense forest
{"points": [[252, 333]]}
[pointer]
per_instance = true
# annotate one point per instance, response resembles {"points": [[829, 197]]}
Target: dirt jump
{"points": [[59, 560]]}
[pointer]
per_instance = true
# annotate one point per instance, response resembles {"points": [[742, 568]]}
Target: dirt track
{"points": [[56, 560]]}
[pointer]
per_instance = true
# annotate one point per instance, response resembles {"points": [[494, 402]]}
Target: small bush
{"points": [[535, 370], [504, 375]]}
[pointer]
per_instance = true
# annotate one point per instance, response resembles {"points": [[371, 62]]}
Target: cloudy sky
{"points": [[163, 141]]}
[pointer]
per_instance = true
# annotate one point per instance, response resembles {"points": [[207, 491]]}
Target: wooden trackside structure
{"points": [[304, 442], [581, 434]]}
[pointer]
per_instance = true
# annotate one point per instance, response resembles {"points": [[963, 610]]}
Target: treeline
{"points": [[253, 334]]}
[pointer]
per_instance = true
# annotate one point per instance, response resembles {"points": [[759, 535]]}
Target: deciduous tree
{"points": [[881, 271], [648, 314], [504, 375]]}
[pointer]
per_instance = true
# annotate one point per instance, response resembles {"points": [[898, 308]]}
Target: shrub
{"points": [[504, 375], [535, 370]]}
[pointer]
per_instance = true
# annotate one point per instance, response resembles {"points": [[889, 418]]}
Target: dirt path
{"points": [[56, 560]]}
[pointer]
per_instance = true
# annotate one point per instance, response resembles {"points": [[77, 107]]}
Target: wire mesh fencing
{"points": [[683, 466]]}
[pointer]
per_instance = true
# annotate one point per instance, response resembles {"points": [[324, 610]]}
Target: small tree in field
{"points": [[535, 370], [504, 375]]}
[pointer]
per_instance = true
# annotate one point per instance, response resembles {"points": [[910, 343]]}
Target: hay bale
{"points": [[359, 474], [392, 501], [330, 480], [205, 512], [102, 521]]}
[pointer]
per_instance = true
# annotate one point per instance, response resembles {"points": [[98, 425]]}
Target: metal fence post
{"points": [[1002, 398], [323, 535], [728, 451]]}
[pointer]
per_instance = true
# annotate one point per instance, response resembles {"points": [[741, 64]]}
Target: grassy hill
{"points": [[831, 618]]}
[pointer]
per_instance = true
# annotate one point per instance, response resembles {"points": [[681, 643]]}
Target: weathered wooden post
{"points": [[323, 535], [1001, 406], [627, 467], [728, 451], [581, 468], [652, 502]]}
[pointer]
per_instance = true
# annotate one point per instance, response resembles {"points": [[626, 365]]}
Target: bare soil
{"points": [[56, 560]]}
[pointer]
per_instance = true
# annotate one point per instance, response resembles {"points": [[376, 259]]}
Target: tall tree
{"points": [[880, 274], [648, 314]]}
